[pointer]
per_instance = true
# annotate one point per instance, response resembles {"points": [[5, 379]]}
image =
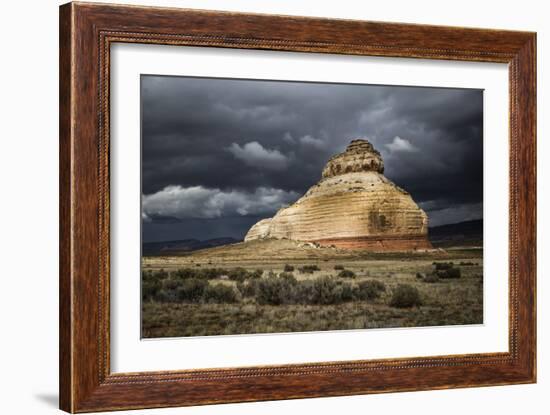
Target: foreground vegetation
{"points": [[212, 299]]}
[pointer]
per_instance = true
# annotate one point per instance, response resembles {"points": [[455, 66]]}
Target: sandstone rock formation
{"points": [[353, 206]]}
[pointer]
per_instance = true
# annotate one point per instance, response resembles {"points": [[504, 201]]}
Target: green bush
{"points": [[405, 296], [275, 290], [237, 274], [210, 273], [338, 267], [191, 290], [446, 270], [161, 274], [449, 273], [149, 289], [443, 265], [167, 296], [369, 290], [454, 273], [379, 285], [170, 284], [288, 276], [248, 288], [256, 274], [342, 292], [431, 278], [309, 269], [347, 292], [322, 290], [186, 273], [303, 293], [146, 275], [220, 293], [346, 273], [167, 293], [188, 285], [151, 283], [420, 275], [288, 268], [327, 291]]}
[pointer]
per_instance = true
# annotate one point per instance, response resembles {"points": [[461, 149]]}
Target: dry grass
{"points": [[446, 302]]}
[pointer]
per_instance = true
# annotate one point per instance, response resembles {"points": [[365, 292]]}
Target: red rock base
{"points": [[380, 244]]}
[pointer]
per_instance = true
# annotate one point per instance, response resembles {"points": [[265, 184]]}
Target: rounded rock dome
{"points": [[360, 156], [354, 206]]}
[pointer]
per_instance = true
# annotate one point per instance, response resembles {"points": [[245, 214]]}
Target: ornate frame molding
{"points": [[86, 33]]}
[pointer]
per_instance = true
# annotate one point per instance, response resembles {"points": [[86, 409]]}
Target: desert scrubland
{"points": [[274, 286]]}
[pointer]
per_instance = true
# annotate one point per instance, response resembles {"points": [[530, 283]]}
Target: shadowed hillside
{"points": [[183, 245], [468, 233]]}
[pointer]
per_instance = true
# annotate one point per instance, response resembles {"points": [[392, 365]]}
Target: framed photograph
{"points": [[259, 207]]}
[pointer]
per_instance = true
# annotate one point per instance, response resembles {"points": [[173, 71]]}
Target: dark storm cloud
{"points": [[235, 138]]}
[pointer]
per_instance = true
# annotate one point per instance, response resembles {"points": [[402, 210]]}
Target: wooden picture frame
{"points": [[86, 33]]}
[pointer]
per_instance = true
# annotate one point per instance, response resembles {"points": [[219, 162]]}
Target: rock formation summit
{"points": [[353, 206]]}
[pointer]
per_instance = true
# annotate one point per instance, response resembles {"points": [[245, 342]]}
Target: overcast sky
{"points": [[220, 154]]}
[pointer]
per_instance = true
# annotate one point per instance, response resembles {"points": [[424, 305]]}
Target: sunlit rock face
{"points": [[260, 230], [353, 206], [359, 157]]}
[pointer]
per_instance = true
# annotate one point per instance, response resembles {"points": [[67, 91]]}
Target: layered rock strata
{"points": [[353, 206]]}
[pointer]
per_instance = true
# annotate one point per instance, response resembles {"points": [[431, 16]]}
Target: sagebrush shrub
{"points": [[237, 274], [167, 296], [405, 296], [449, 273], [288, 268], [322, 290], [206, 273], [453, 273], [309, 269], [170, 284], [288, 276], [191, 290], [431, 278], [325, 290], [184, 273], [370, 290], [346, 273], [303, 293], [443, 265], [275, 291], [220, 293], [151, 283], [210, 273], [167, 292], [348, 291], [256, 274], [248, 288]]}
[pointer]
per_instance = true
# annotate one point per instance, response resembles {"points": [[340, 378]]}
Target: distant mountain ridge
{"points": [[463, 233], [183, 245]]}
